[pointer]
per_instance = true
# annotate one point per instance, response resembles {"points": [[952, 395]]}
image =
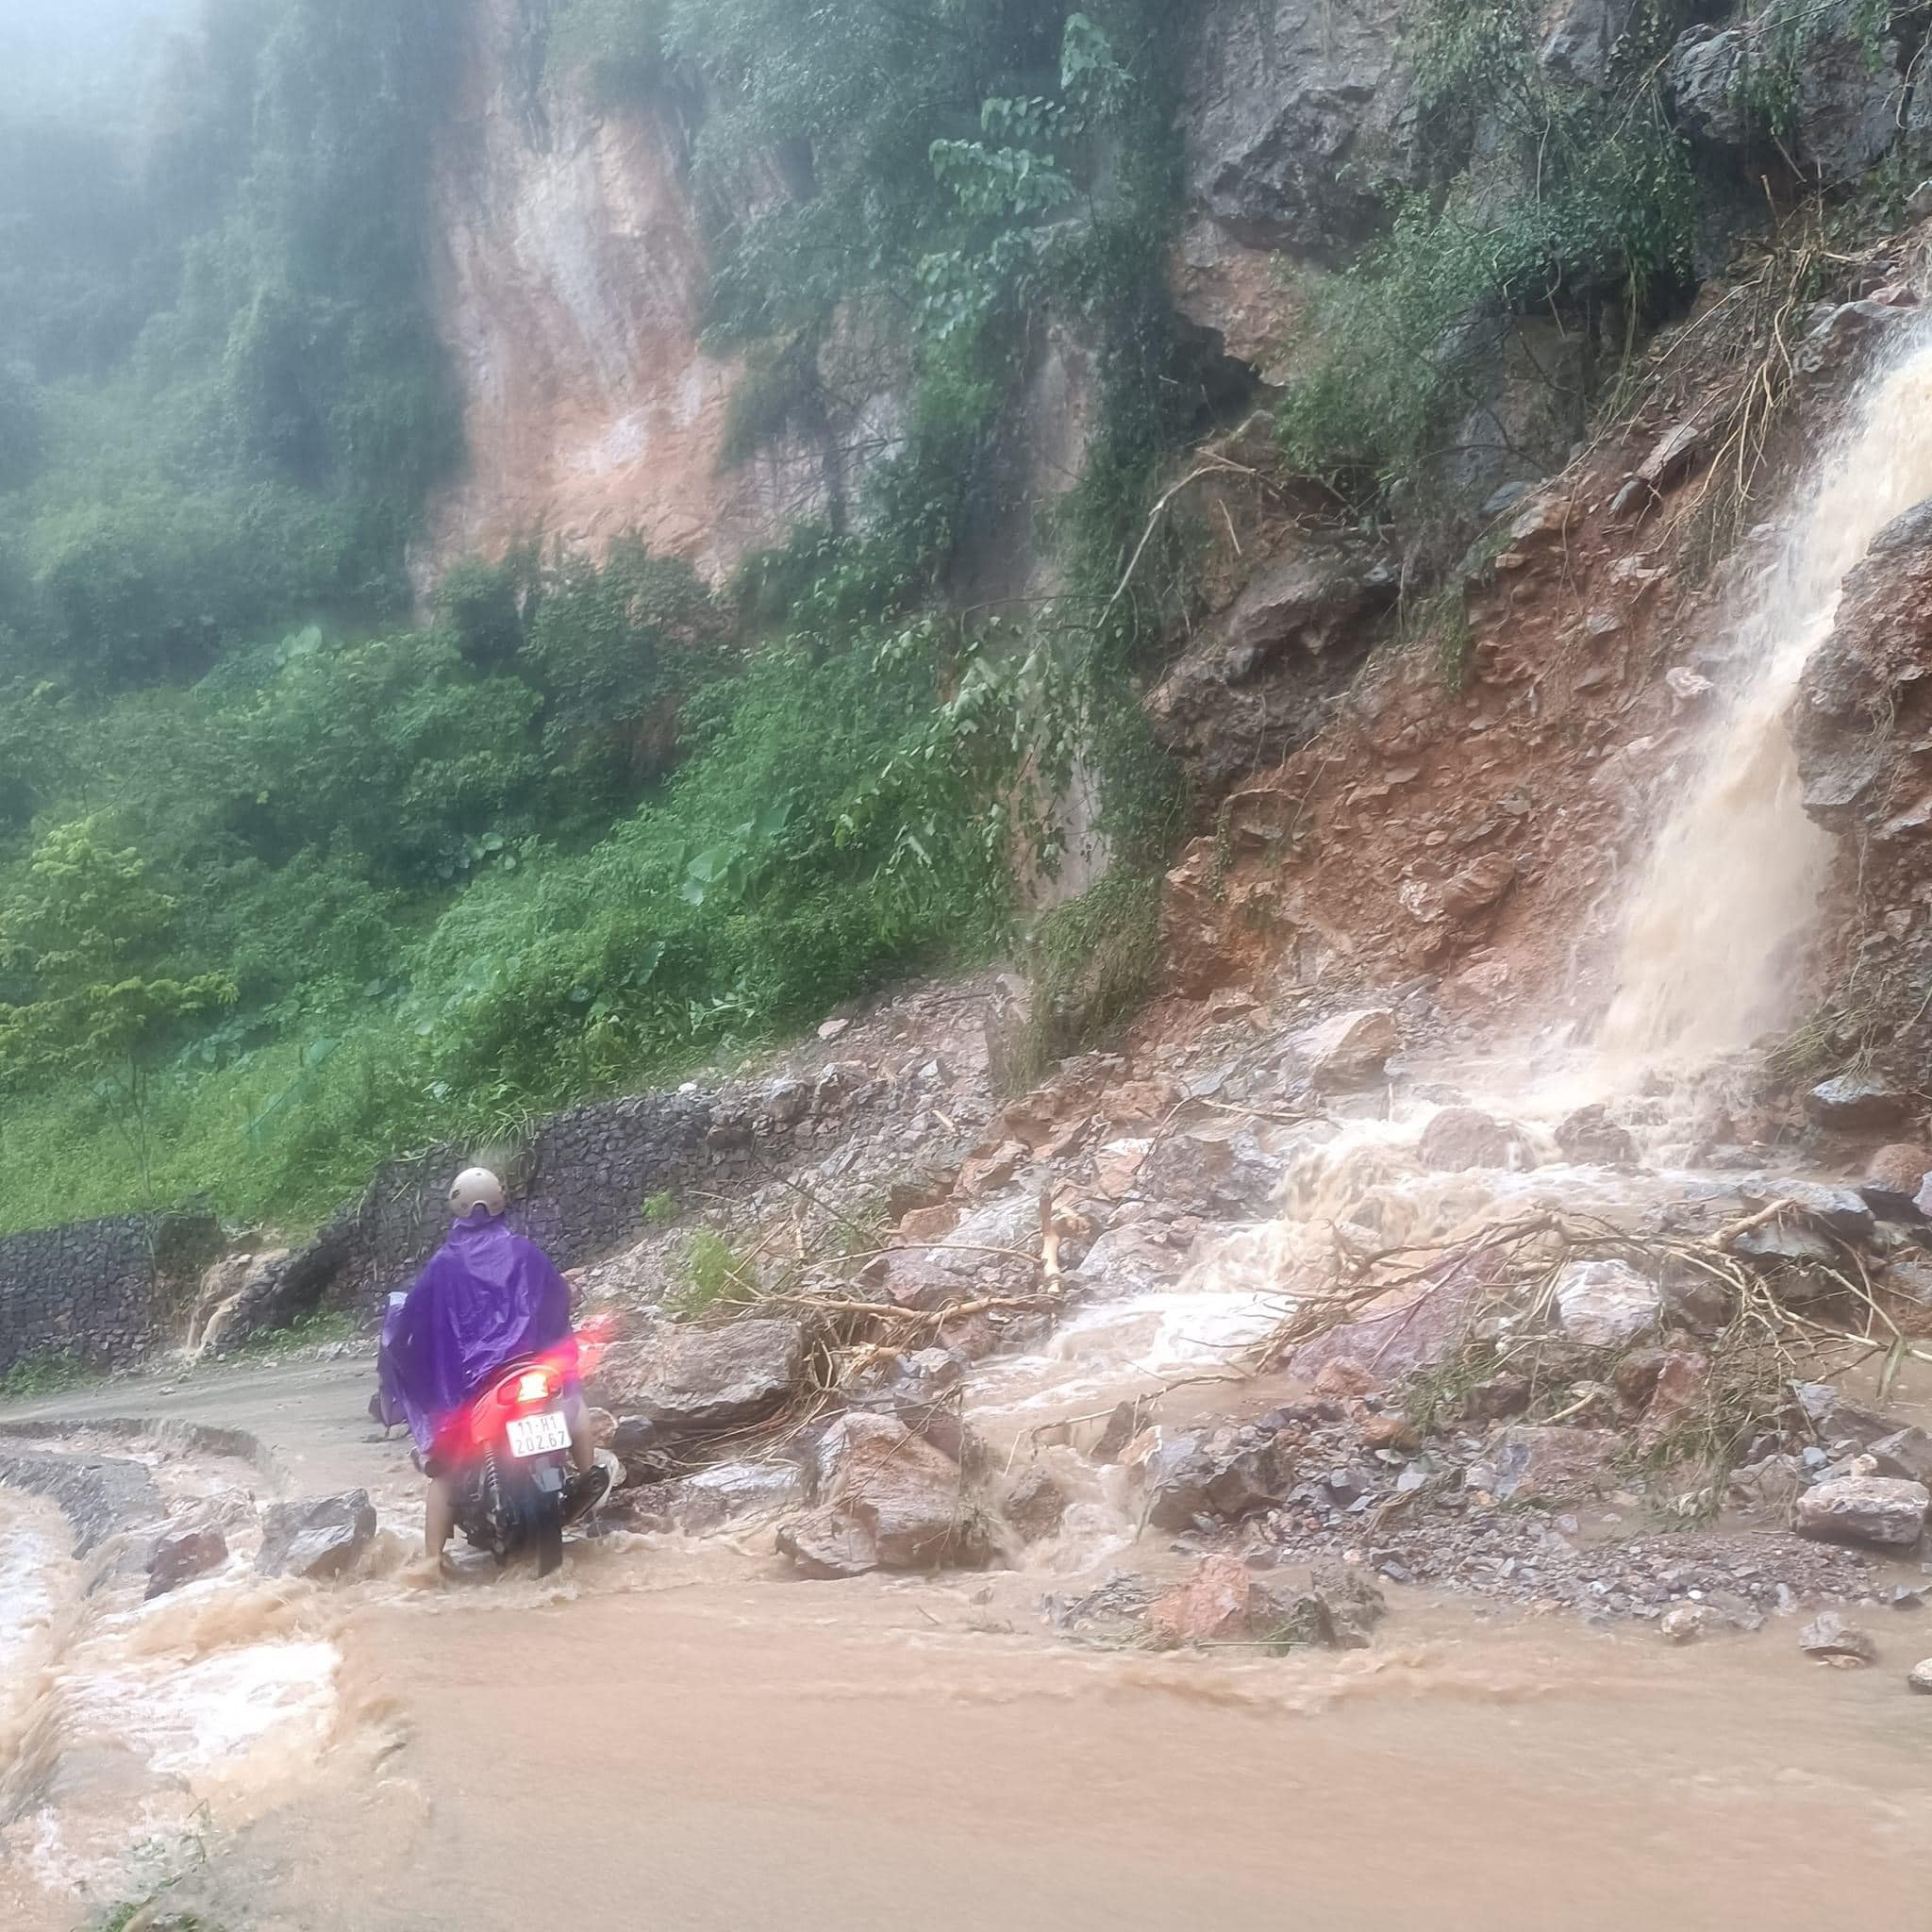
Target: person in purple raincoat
{"points": [[487, 1297]]}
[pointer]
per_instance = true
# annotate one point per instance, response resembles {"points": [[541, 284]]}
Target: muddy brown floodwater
{"points": [[751, 1753]]}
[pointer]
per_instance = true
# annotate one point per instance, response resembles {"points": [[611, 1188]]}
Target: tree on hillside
{"points": [[84, 988]]}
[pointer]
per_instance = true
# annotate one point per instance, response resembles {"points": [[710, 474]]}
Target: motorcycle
{"points": [[507, 1452]]}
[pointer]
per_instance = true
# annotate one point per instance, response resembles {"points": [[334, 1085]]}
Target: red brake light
{"points": [[527, 1389]]}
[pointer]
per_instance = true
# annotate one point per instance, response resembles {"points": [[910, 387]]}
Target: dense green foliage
{"points": [[593, 823], [214, 325]]}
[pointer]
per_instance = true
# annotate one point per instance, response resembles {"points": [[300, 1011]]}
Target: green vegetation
{"points": [[660, 1209], [714, 1275], [51, 1372], [383, 880], [1092, 960]]}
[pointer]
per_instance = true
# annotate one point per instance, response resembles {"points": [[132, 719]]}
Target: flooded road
{"points": [[723, 1755], [684, 1733]]}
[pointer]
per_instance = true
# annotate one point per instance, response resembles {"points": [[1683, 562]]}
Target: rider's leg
{"points": [[438, 1515], [583, 1446]]}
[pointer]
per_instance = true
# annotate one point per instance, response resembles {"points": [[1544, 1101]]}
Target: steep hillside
{"points": [[545, 543]]}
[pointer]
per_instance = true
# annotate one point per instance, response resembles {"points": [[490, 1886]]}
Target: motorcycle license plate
{"points": [[538, 1435]]}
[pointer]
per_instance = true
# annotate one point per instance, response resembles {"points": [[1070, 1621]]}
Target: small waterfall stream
{"points": [[1712, 933]]}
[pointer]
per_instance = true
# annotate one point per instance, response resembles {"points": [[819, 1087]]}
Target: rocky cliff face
{"points": [[571, 274]]}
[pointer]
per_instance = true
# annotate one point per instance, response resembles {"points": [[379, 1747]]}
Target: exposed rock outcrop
{"points": [[1847, 88], [571, 276], [1862, 726], [1257, 681], [1296, 120]]}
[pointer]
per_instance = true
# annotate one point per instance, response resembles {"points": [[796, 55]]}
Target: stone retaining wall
{"points": [[101, 1292], [580, 1184]]}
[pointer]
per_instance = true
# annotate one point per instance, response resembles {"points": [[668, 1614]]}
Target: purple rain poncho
{"points": [[486, 1297]]}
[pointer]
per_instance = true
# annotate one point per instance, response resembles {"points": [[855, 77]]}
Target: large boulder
{"points": [[1905, 1453], [1884, 1510], [689, 1380], [1591, 1138], [1462, 1139], [317, 1537], [724, 1494], [1349, 1050], [1894, 1174], [889, 1501], [1223, 1601], [1219, 1475], [1217, 1170], [988, 1249], [1226, 1602], [1606, 1303], [183, 1557]]}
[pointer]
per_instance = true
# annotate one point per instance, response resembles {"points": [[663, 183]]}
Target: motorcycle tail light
{"points": [[528, 1388]]}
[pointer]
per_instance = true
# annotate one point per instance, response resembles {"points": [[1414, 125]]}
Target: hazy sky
{"points": [[70, 52]]}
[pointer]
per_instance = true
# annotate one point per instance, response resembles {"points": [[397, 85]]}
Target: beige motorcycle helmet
{"points": [[476, 1194]]}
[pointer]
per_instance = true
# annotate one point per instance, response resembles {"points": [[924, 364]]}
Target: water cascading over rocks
{"points": [[1709, 951]]}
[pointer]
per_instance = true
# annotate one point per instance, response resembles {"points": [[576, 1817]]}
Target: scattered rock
{"points": [[891, 1501], [1906, 1456], [1693, 1299], [726, 1493], [687, 1379], [1036, 1504], [1219, 1476], [180, 1558], [1222, 1601], [1496, 1399], [787, 1101], [1461, 1139], [1832, 1641], [1855, 1102], [1686, 1622], [1349, 1049], [1893, 1176], [1864, 1510], [1604, 1303], [317, 1537], [1344, 1377], [1920, 1677], [1338, 1609], [1681, 1380], [1590, 1138], [1532, 1463]]}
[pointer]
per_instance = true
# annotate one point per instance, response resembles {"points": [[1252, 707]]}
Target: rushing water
{"points": [[1711, 935]]}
